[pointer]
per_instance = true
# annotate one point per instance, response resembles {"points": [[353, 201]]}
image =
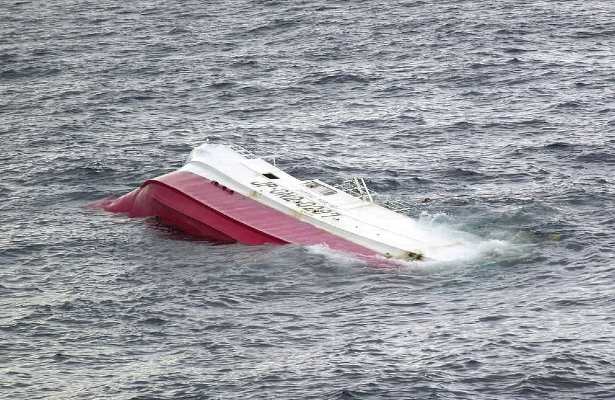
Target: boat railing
{"points": [[357, 187], [251, 155], [271, 159], [397, 205], [243, 151]]}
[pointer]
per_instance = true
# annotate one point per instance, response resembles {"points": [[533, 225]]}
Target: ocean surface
{"points": [[502, 114]]}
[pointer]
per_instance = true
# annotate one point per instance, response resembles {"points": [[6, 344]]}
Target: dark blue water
{"points": [[502, 113]]}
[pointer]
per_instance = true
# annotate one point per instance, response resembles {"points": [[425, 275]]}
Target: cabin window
{"points": [[270, 176]]}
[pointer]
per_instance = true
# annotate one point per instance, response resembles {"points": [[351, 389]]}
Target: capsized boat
{"points": [[226, 194]]}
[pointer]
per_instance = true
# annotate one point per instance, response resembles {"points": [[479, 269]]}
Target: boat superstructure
{"points": [[226, 193]]}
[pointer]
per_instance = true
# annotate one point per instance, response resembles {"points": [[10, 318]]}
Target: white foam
{"points": [[464, 247]]}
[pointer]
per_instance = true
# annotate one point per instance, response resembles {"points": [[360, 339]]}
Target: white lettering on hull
{"points": [[297, 199]]}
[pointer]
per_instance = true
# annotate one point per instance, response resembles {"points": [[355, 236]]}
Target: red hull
{"points": [[202, 208]]}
